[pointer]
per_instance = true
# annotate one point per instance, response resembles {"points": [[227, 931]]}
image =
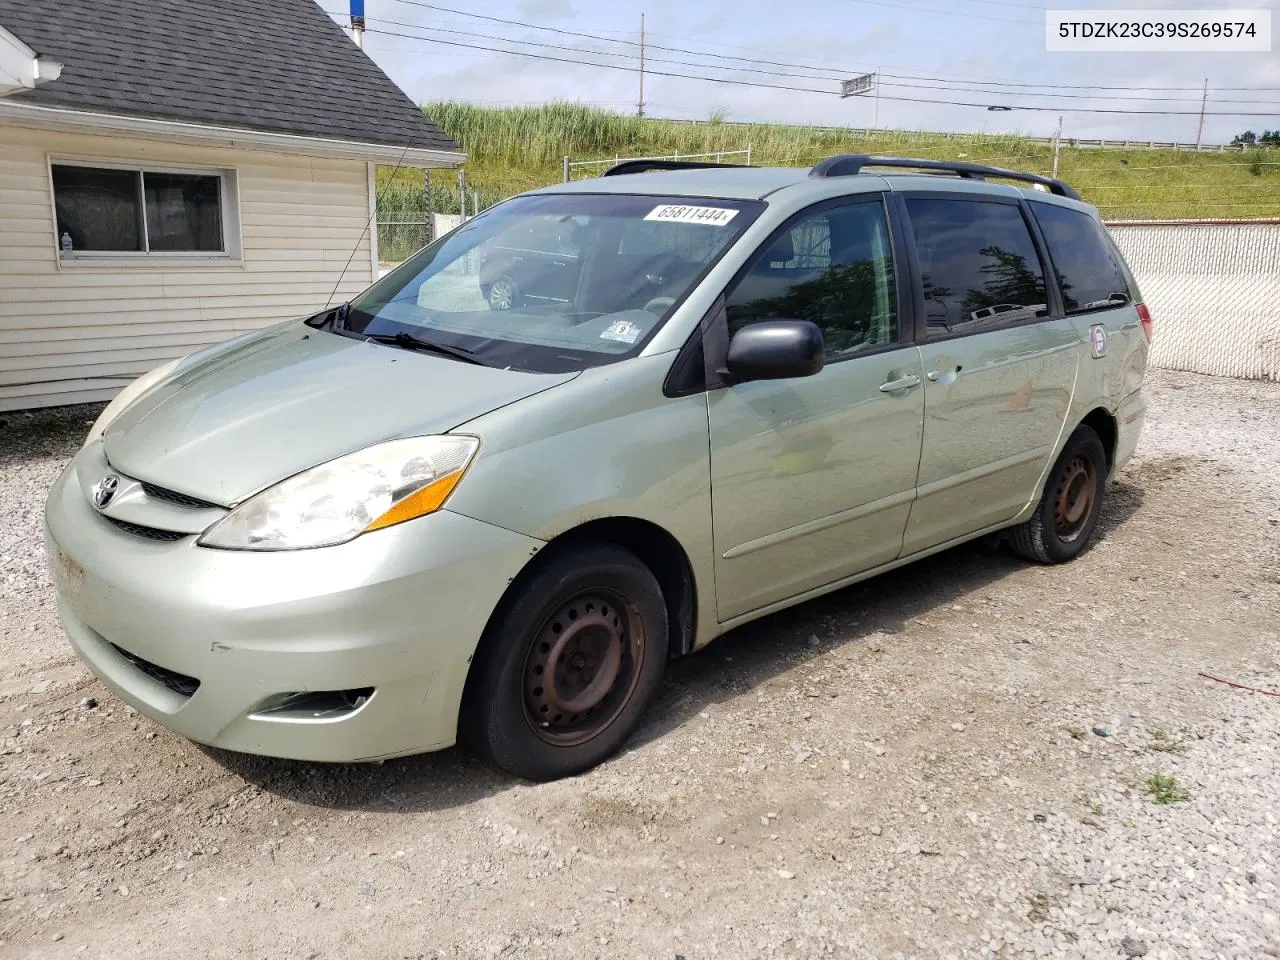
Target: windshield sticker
{"points": [[683, 213], [622, 330]]}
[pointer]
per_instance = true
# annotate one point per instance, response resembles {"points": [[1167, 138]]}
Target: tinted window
{"points": [[1088, 272], [834, 267], [978, 264]]}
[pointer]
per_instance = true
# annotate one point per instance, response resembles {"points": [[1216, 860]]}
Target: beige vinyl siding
{"points": [[74, 333]]}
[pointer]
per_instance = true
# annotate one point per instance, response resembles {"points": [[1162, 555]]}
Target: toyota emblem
{"points": [[104, 490]]}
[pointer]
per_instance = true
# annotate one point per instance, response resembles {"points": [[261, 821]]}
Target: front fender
{"points": [[608, 444]]}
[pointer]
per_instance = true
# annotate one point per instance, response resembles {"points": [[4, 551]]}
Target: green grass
{"points": [[1164, 788], [1162, 742], [512, 149]]}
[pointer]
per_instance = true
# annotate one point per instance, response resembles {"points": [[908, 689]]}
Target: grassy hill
{"points": [[517, 148]]}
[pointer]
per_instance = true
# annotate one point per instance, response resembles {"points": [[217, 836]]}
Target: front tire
{"points": [[1067, 514], [567, 664]]}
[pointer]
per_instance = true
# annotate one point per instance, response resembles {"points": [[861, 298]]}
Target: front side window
{"points": [[833, 267], [1089, 273], [554, 282], [978, 264], [105, 210]]}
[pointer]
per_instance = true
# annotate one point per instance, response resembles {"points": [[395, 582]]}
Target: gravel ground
{"points": [[954, 760]]}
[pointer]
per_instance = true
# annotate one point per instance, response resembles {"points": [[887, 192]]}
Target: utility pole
{"points": [[875, 111], [640, 102], [1057, 142], [1204, 97]]}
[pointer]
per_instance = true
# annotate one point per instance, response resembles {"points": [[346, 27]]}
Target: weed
{"points": [[1162, 742], [1164, 788], [1093, 806], [1077, 733]]}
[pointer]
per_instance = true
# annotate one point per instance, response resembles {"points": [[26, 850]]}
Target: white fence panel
{"points": [[1214, 293]]}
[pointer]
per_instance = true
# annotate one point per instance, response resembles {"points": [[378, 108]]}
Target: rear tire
{"points": [[568, 663], [1067, 515], [503, 294]]}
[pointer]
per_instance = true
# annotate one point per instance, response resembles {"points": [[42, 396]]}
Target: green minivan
{"points": [[436, 514]]}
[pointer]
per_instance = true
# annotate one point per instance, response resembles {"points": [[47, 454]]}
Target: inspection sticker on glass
{"points": [[683, 213], [622, 330]]}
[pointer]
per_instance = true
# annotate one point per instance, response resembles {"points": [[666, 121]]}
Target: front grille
{"points": [[172, 496], [179, 683], [148, 533]]}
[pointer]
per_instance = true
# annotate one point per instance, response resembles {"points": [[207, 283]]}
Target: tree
{"points": [[1247, 137]]}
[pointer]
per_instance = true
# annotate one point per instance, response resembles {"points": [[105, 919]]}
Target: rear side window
{"points": [[978, 264], [1089, 273]]}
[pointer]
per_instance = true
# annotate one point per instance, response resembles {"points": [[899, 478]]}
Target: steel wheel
{"points": [[1074, 503], [502, 294], [582, 667]]}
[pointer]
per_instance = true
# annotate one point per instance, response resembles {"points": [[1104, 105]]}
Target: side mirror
{"points": [[776, 350]]}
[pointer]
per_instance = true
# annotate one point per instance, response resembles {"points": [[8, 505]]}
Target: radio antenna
{"points": [[377, 202]]}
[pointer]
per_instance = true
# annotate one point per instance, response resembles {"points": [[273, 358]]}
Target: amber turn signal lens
{"points": [[427, 500]]}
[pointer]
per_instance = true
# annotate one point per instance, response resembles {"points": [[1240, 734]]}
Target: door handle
{"points": [[902, 383], [936, 375]]}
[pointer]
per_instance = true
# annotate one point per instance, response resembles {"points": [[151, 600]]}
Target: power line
{"points": [[1083, 86], [579, 50], [840, 73], [1066, 96], [607, 66], [776, 86]]}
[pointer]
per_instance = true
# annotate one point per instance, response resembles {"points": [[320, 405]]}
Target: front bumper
{"points": [[399, 610]]}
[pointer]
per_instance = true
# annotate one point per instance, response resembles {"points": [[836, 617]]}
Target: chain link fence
{"points": [[1213, 288]]}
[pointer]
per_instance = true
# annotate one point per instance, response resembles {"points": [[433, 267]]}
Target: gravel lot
{"points": [[953, 760]]}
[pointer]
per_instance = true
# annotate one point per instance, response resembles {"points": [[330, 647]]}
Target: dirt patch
{"points": [[913, 765]]}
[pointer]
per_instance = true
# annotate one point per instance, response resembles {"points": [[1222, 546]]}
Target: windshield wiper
{"points": [[409, 342]]}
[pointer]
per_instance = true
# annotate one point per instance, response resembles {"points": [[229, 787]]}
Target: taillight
{"points": [[1144, 317]]}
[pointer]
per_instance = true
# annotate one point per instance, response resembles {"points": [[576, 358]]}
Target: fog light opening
{"points": [[314, 705]]}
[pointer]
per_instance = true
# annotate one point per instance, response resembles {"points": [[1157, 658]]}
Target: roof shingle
{"points": [[278, 65]]}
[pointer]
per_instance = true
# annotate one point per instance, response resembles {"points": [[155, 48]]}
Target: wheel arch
{"points": [[1104, 424], [655, 547]]}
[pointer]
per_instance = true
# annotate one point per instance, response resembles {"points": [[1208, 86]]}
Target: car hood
{"points": [[237, 418]]}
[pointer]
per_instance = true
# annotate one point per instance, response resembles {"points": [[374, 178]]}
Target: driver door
{"points": [[812, 479]]}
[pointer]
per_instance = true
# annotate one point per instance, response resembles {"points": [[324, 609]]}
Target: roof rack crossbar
{"points": [[849, 164], [643, 166]]}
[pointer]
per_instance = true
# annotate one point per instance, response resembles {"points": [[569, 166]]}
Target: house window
{"points": [[106, 211]]}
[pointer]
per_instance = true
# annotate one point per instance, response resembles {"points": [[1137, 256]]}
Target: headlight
{"points": [[126, 396], [337, 501]]}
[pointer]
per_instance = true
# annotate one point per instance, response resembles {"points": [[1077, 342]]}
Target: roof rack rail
{"points": [[848, 164], [643, 166]]}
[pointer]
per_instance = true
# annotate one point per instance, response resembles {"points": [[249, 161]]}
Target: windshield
{"points": [[554, 282]]}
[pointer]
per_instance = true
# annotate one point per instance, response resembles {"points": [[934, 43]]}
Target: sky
{"points": [[924, 49]]}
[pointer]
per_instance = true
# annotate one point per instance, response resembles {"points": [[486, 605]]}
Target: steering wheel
{"points": [[659, 305]]}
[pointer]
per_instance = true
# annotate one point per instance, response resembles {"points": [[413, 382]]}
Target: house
{"points": [[174, 173]]}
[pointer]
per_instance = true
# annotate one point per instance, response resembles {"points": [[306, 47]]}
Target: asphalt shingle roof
{"points": [[277, 65]]}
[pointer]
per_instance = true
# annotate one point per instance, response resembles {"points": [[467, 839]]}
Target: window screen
{"points": [[108, 210], [1089, 273], [835, 268], [978, 264]]}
